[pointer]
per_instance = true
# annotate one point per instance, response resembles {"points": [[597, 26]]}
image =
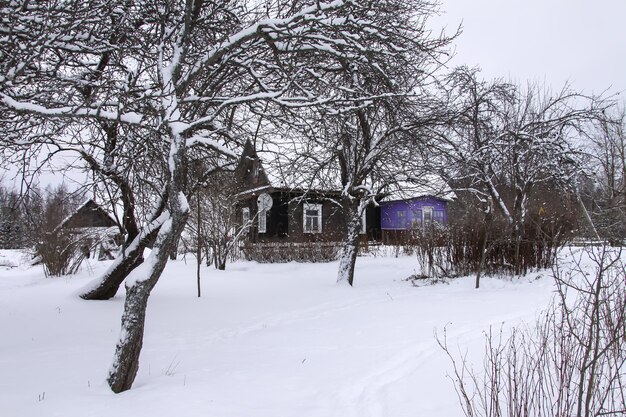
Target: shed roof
{"points": [[88, 214]]}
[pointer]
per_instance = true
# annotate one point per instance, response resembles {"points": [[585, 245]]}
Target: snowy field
{"points": [[265, 340]]}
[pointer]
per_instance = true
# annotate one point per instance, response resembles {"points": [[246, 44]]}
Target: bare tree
{"points": [[213, 225], [374, 145], [607, 168], [174, 75], [506, 142]]}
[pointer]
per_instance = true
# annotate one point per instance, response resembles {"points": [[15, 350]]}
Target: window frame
{"points": [[262, 221], [245, 216], [312, 207], [427, 209]]}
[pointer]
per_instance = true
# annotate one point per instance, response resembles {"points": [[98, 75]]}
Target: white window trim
{"points": [[424, 210], [316, 207], [262, 221], [363, 229], [245, 216]]}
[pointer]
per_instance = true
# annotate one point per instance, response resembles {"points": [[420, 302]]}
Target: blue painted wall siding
{"points": [[405, 214]]}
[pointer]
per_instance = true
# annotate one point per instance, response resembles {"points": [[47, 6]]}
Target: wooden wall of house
{"points": [[333, 222], [285, 221]]}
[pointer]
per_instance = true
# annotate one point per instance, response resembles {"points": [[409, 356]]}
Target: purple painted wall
{"points": [[405, 214]]}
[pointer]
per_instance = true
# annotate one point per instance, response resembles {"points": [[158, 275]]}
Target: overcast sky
{"points": [[551, 41], [580, 41]]}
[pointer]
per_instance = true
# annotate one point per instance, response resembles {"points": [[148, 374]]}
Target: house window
{"points": [[262, 221], [363, 223], [438, 216], [245, 216], [416, 218], [312, 218], [427, 216], [401, 217], [255, 172]]}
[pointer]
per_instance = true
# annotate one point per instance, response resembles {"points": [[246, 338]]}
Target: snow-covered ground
{"points": [[264, 340]]}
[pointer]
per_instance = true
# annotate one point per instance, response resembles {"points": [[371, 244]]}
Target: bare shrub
{"points": [[288, 252], [473, 243], [60, 253], [571, 363]]}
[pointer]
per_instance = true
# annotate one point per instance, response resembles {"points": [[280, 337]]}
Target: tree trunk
{"points": [[112, 279], [126, 364], [483, 249], [518, 242], [174, 251], [198, 243], [350, 249], [126, 262], [126, 360]]}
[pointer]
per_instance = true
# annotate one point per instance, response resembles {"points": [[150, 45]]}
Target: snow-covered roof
{"points": [[88, 206], [284, 169], [429, 186]]}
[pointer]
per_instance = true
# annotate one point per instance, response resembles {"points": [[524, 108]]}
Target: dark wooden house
{"points": [[282, 214]]}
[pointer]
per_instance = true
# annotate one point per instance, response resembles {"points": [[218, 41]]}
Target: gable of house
{"points": [[88, 215], [250, 173]]}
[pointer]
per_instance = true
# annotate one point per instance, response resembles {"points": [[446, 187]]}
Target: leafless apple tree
{"points": [[376, 145], [506, 142], [123, 83]]}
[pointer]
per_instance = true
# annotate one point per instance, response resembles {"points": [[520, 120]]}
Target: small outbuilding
{"points": [[97, 230]]}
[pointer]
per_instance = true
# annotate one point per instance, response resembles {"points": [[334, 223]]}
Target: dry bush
{"points": [[60, 253], [457, 249], [288, 252], [572, 363]]}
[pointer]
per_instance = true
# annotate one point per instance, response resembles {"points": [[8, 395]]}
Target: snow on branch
{"points": [[66, 112]]}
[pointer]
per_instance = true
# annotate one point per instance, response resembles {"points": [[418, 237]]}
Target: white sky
{"points": [[580, 41]]}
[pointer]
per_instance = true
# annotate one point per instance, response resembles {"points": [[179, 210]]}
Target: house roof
{"points": [[432, 186], [88, 214], [280, 170]]}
